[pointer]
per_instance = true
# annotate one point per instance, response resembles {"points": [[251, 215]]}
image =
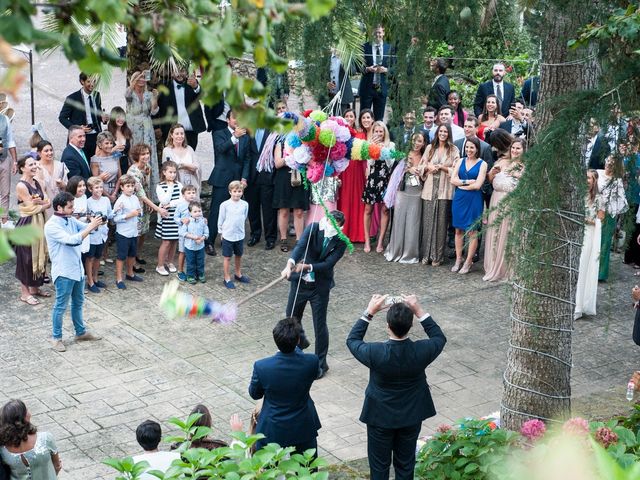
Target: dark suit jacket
{"points": [[345, 86], [255, 177], [485, 89], [599, 153], [366, 83], [74, 113], [508, 125], [229, 164], [398, 134], [168, 107], [439, 92], [398, 394], [529, 94], [485, 150], [212, 113], [75, 163], [288, 415], [322, 262]]}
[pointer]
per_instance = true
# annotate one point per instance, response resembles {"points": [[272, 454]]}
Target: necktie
{"points": [[499, 92], [377, 61], [325, 242], [91, 108], [84, 157]]}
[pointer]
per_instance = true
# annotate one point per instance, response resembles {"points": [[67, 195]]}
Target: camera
{"points": [[390, 300], [98, 215]]}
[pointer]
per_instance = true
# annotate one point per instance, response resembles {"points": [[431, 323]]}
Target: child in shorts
{"points": [[231, 220], [126, 210], [193, 234], [97, 204], [181, 217]]}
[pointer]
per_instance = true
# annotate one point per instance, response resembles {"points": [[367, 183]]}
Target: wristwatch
{"points": [[367, 315]]}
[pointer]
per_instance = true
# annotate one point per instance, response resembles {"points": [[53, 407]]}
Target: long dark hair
{"points": [[424, 144], [14, 427], [436, 141], [485, 112], [362, 112], [113, 128], [72, 184]]}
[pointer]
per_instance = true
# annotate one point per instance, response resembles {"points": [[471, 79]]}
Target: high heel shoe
{"points": [[457, 266], [465, 268]]}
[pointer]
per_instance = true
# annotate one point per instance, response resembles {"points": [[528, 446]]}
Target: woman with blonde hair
{"points": [[178, 150]]}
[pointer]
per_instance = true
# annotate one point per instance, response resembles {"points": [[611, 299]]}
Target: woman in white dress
{"points": [[177, 150], [587, 287], [52, 174]]}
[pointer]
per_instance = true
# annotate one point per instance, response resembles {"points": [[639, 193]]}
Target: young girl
{"points": [[168, 192], [97, 204], [77, 187], [587, 286]]}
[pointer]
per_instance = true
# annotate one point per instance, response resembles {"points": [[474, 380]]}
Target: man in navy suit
{"points": [[288, 416], [182, 105], [312, 279], [397, 398], [374, 83], [259, 194], [439, 92], [74, 156], [84, 108], [516, 123], [231, 162], [504, 91]]}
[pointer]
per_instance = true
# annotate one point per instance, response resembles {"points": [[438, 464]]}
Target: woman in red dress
{"points": [[353, 179]]}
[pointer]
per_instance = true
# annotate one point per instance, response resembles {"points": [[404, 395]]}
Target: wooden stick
{"points": [[261, 290]]}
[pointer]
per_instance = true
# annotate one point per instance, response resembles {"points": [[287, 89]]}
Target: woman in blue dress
{"points": [[468, 177]]}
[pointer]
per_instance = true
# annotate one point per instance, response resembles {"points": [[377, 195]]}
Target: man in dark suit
{"points": [[597, 148], [504, 91], [401, 135], [312, 279], [182, 105], [259, 194], [397, 398], [439, 92], [339, 83], [529, 94], [217, 116], [374, 82], [516, 123], [471, 131], [428, 123], [232, 153], [288, 416], [74, 156], [84, 108]]}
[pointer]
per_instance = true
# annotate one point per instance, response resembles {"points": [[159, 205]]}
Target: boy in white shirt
{"points": [[231, 220], [97, 204], [126, 210], [181, 217]]}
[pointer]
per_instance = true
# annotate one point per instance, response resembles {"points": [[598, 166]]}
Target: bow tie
{"points": [[179, 86]]}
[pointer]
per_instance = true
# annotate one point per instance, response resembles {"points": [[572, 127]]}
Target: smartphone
{"points": [[147, 75], [390, 300]]}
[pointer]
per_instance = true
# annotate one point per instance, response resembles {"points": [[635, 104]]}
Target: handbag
{"points": [[296, 178]]}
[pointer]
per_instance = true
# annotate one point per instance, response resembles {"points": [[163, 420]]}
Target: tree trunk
{"points": [[537, 380], [138, 53]]}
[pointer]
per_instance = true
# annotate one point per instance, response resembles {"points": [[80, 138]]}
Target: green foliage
{"points": [[234, 463], [18, 236], [470, 452]]}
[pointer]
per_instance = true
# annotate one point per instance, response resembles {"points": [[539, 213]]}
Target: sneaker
{"points": [[108, 260], [101, 263], [182, 276], [172, 268], [101, 284], [162, 271], [57, 345], [121, 285], [229, 284], [140, 261], [87, 337], [202, 279], [242, 278], [138, 270], [9, 225], [191, 280], [134, 278], [93, 288]]}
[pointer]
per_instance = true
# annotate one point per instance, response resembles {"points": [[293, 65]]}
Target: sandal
{"points": [[40, 293], [283, 245], [30, 300]]}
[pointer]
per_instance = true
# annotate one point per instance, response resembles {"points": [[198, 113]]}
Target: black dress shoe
{"points": [[476, 257], [209, 250], [322, 372], [100, 273], [269, 246], [304, 343], [138, 269], [252, 241]]}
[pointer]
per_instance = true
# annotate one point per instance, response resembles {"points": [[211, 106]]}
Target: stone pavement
{"points": [[93, 396]]}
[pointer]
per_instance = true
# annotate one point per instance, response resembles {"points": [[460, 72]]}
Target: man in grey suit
{"points": [[471, 131], [339, 83], [397, 398]]}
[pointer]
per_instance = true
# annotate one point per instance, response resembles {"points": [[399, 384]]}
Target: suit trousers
{"points": [[385, 443], [260, 199], [319, 302], [376, 100], [5, 184], [192, 139], [636, 328], [218, 195], [90, 145]]}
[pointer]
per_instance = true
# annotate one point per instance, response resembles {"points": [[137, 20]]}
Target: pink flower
{"points": [[444, 428], [576, 426], [605, 436], [533, 429], [338, 151]]}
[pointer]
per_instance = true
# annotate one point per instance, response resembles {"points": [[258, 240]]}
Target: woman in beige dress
{"points": [[177, 149], [437, 166], [504, 176], [52, 174]]}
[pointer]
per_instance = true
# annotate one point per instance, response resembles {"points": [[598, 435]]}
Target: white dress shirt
{"points": [[183, 115]]}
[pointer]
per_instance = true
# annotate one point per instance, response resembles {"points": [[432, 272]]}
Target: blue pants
{"points": [[385, 443], [195, 262], [68, 289]]}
